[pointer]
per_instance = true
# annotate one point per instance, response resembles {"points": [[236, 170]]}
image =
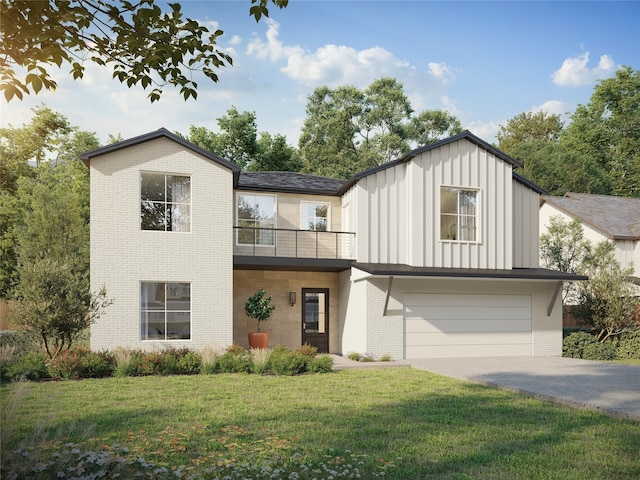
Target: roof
{"points": [[400, 270], [466, 135], [289, 182], [160, 133], [618, 218]]}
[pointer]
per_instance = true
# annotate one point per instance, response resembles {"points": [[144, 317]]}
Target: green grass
{"points": [[428, 426]]}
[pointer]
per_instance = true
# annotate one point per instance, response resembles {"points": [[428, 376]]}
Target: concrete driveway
{"points": [[608, 387]]}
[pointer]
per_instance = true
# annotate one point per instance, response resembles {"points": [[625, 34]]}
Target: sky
{"points": [[484, 62]]}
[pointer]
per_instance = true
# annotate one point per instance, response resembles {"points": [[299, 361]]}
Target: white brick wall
{"points": [[122, 255]]}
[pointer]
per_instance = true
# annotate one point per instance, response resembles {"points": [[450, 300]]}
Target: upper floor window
{"points": [[165, 310], [165, 202], [458, 214], [256, 219], [315, 216]]}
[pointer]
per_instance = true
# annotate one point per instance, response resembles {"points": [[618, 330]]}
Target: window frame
{"points": [[458, 214], [144, 336], [165, 202], [275, 220], [302, 217]]}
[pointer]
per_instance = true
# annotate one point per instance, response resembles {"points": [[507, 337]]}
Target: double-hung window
{"points": [[256, 216], [165, 202], [165, 310], [315, 216], [459, 214]]}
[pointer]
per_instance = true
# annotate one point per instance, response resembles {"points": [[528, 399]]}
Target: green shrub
{"points": [[122, 361], [574, 344], [355, 356], [209, 358], [235, 361], [79, 363], [189, 364], [628, 345], [31, 366], [260, 358], [307, 350], [385, 358], [321, 364], [20, 341], [284, 361], [599, 351]]}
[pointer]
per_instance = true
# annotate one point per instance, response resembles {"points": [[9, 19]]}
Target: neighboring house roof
{"points": [[467, 135], [162, 132], [289, 182], [400, 270], [615, 217]]}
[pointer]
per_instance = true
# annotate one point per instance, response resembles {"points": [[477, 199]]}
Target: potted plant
{"points": [[259, 307]]}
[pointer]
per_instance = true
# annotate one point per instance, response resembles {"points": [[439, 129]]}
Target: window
{"points": [[315, 216], [165, 311], [256, 219], [458, 214], [165, 202]]}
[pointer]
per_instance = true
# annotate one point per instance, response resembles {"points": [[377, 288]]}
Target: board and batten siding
{"points": [[526, 233], [398, 210]]}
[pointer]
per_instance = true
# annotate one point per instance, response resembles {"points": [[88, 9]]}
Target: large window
{"points": [[165, 311], [165, 202], [256, 219], [458, 214], [315, 216]]}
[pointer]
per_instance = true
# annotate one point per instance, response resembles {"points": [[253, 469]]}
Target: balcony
{"points": [[288, 243]]}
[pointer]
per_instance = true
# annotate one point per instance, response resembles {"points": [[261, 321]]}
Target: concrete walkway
{"points": [[604, 386]]}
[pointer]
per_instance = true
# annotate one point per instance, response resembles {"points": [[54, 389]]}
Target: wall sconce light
{"points": [[292, 298]]}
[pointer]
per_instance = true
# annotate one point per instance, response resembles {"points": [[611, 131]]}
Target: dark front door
{"points": [[315, 318]]}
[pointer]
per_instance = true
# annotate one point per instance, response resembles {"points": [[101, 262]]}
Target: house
{"points": [[603, 217], [431, 255]]}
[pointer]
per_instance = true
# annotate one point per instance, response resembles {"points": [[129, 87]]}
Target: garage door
{"points": [[466, 325]]}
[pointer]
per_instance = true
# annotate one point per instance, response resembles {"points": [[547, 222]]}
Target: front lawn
{"points": [[408, 424]]}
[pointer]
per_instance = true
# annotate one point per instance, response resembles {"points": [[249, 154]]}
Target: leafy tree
{"points": [[144, 45], [52, 292], [529, 127], [348, 130], [606, 301], [607, 130], [238, 141]]}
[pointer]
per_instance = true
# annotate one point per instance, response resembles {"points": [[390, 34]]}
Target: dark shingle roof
{"points": [[289, 182], [616, 217], [399, 270]]}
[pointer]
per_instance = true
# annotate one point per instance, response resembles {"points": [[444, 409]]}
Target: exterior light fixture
{"points": [[292, 298]]}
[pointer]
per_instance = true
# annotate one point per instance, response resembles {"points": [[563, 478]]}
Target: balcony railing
{"points": [[284, 242]]}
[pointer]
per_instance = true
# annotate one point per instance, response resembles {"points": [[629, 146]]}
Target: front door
{"points": [[315, 318]]}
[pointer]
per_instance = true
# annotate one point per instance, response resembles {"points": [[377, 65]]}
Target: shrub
{"points": [[189, 363], [31, 366], [284, 361], [260, 358], [599, 351], [628, 345], [22, 341], [122, 362], [235, 361], [307, 350], [574, 344], [209, 361], [321, 364], [386, 358], [355, 356], [81, 363]]}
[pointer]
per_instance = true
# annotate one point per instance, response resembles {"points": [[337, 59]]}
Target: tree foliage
{"points": [[599, 150], [238, 142], [142, 44], [348, 130]]}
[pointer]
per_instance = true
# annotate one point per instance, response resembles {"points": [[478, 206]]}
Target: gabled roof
{"points": [[289, 182], [162, 132], [466, 135], [618, 218]]}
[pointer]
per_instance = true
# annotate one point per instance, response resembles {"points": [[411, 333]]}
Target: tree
{"points": [[348, 130], [528, 127], [238, 142], [144, 45], [606, 302], [52, 291], [607, 130]]}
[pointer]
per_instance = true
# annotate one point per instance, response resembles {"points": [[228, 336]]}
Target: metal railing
{"points": [[285, 242]]}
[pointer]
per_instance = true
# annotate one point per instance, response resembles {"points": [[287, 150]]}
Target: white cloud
{"points": [[575, 72], [553, 107], [485, 130], [442, 73]]}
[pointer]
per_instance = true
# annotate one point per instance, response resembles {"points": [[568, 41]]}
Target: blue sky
{"points": [[485, 62]]}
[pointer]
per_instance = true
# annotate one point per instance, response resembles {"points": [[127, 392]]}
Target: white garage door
{"points": [[466, 325]]}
